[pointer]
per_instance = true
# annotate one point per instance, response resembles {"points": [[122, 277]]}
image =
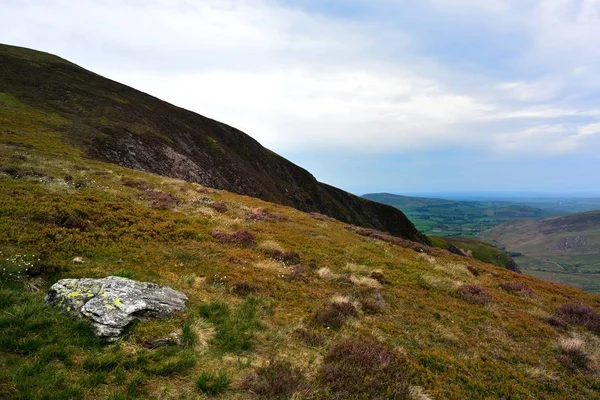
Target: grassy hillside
{"points": [[111, 122], [563, 249], [439, 217], [477, 249], [283, 303]]}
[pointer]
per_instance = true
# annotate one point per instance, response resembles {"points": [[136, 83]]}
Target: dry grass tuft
{"points": [[454, 270], [205, 332], [427, 257], [327, 274], [270, 245], [574, 355], [364, 281], [418, 393], [353, 268], [270, 265]]}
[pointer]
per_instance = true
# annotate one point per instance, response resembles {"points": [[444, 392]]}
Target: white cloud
{"points": [[297, 80]]}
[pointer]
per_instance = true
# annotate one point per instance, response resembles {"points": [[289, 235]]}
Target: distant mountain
{"points": [[442, 217], [111, 122], [564, 249]]}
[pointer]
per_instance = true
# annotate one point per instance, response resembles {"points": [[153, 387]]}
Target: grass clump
{"points": [[234, 330], [517, 288], [335, 314], [262, 214], [277, 380], [574, 356], [169, 364], [137, 184], [213, 383], [373, 304], [244, 289], [474, 271], [580, 314], [310, 337], [286, 257], [475, 294], [379, 277], [189, 337], [219, 206], [298, 273], [161, 200], [241, 237], [365, 368]]}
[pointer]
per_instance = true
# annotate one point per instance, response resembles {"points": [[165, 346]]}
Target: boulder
{"points": [[113, 302]]}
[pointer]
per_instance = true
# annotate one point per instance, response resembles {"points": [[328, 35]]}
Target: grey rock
{"points": [[113, 302]]}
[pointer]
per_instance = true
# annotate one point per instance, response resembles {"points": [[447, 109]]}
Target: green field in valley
{"points": [[439, 217]]}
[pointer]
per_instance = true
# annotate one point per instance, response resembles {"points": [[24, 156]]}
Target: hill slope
{"points": [[282, 303], [275, 296], [441, 217], [566, 249], [115, 123]]}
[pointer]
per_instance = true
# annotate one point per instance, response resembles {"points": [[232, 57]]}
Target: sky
{"points": [[399, 96]]}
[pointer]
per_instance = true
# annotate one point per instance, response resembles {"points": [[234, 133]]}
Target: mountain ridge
{"points": [[115, 123]]}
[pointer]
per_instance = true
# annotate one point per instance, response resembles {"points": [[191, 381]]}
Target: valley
{"points": [[440, 217], [554, 238], [562, 249]]}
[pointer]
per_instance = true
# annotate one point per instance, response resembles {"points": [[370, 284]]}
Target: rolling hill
{"points": [[283, 303], [441, 217], [115, 123], [564, 249]]}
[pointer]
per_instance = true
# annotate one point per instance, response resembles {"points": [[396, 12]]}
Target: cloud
{"points": [[499, 77]]}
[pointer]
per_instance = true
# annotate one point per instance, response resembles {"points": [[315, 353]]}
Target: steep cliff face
{"points": [[113, 122]]}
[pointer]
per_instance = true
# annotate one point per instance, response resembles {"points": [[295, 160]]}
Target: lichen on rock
{"points": [[114, 302]]}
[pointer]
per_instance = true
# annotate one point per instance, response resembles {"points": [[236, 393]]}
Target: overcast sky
{"points": [[400, 96]]}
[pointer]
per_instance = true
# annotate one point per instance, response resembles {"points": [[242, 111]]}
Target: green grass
{"points": [[235, 330], [450, 218], [477, 249], [213, 383]]}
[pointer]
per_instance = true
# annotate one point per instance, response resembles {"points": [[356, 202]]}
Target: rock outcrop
{"points": [[113, 302]]}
